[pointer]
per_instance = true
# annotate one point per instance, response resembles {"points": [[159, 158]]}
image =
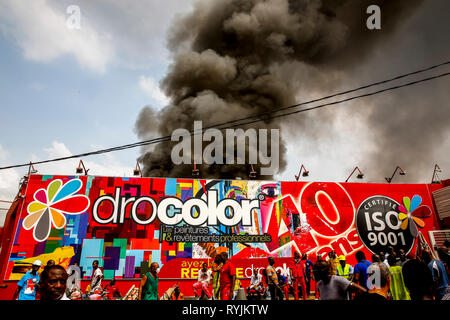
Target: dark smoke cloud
{"points": [[234, 58], [412, 125], [408, 127]]}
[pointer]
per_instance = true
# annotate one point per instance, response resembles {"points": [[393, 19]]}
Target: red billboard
{"points": [[127, 223]]}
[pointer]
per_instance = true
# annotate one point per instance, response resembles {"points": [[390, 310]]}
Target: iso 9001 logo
{"points": [[378, 225]]}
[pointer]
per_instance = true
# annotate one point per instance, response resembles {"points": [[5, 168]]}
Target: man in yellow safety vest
{"points": [[343, 269]]}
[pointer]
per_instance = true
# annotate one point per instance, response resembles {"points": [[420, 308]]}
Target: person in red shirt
{"points": [[227, 278], [297, 275]]}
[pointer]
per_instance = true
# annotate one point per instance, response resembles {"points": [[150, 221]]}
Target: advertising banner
{"points": [[125, 223]]}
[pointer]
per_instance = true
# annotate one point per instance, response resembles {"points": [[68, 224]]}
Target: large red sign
{"points": [[125, 223]]}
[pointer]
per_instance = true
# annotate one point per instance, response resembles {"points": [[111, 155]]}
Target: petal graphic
{"points": [[407, 203], [52, 189], [404, 224], [43, 227], [402, 216], [41, 196], [422, 212], [36, 206], [59, 220], [415, 202], [32, 219], [402, 209], [419, 222], [413, 229], [68, 189], [73, 205]]}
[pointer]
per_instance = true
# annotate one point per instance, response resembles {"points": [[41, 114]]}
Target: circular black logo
{"points": [[378, 225]]}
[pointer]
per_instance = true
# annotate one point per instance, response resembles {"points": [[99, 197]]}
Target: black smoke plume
{"points": [[235, 58]]}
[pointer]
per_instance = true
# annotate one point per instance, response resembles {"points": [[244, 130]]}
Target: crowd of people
{"points": [[390, 275], [52, 284]]}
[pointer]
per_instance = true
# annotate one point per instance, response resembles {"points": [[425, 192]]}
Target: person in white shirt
{"points": [[203, 283], [97, 276], [256, 285]]}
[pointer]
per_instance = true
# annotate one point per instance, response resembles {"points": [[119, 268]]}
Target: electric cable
{"points": [[266, 114]]}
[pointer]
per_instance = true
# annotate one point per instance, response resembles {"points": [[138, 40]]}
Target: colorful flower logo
{"points": [[410, 212], [52, 204]]}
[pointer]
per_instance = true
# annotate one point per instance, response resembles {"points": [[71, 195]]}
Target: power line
{"points": [[330, 96], [168, 138], [349, 99], [340, 93], [165, 138]]}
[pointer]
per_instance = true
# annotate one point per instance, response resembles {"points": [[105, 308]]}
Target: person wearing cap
{"points": [[343, 269], [28, 284]]}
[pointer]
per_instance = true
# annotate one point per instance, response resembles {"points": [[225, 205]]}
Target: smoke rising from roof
{"points": [[234, 58]]}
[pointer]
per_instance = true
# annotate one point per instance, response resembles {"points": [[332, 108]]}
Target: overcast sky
{"points": [[66, 91]]}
